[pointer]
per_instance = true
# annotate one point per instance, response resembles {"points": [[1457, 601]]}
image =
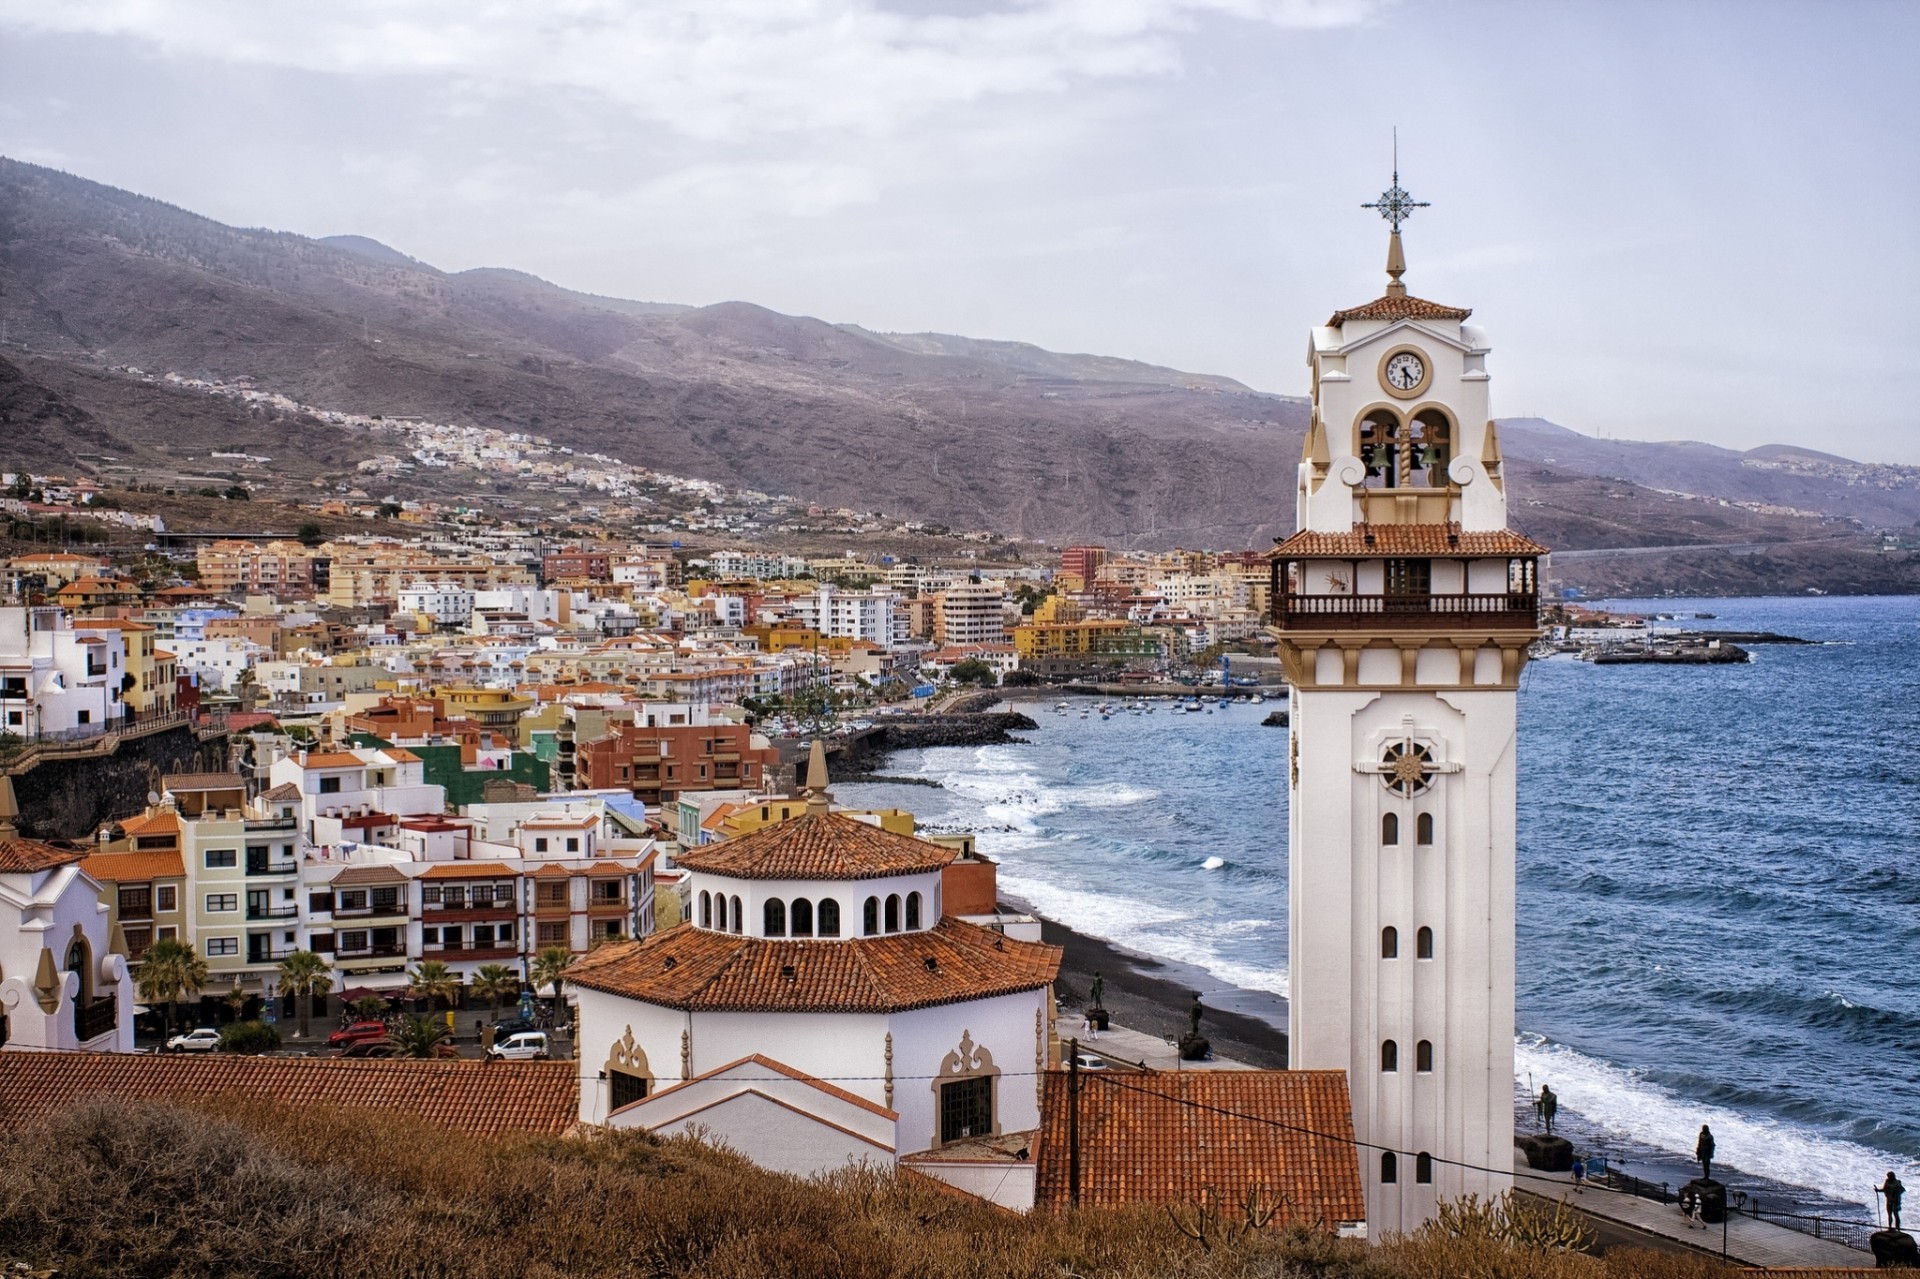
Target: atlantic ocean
{"points": [[1719, 893]]}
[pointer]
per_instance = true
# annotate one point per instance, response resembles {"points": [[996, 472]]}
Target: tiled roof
{"points": [[1153, 1138], [469, 870], [1368, 540], [332, 759], [285, 792], [818, 846], [481, 1098], [165, 822], [26, 856], [202, 782], [111, 868], [698, 969], [1399, 308], [369, 875]]}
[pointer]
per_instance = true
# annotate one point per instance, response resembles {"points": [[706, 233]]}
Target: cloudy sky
{"points": [[1676, 220]]}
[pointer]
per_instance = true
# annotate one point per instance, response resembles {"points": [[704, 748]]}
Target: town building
{"points": [[657, 763], [55, 679], [970, 613], [1403, 608]]}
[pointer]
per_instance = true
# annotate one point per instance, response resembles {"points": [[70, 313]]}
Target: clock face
{"points": [[1405, 371]]}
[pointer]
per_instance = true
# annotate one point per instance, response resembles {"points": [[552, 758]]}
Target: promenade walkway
{"points": [[1753, 1243], [1122, 1047]]}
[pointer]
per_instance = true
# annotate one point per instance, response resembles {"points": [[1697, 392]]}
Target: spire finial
{"points": [[818, 798], [1396, 206]]}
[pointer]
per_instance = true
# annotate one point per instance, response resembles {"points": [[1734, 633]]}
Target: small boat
{"points": [[1258, 699]]}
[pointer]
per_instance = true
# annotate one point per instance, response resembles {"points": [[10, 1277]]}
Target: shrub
{"points": [[248, 1037]]}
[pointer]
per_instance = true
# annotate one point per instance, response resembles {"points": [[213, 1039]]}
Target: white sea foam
{"points": [[1213, 863], [1621, 1102]]}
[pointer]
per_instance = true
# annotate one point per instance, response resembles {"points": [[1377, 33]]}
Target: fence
{"points": [[1849, 1231]]}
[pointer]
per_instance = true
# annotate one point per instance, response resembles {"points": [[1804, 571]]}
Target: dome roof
{"points": [[818, 845]]}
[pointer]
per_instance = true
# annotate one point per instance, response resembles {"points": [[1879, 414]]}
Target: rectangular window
{"points": [[355, 940], [351, 899], [430, 894], [222, 858], [429, 936], [550, 895], [966, 1108], [540, 845], [136, 903], [483, 936], [138, 939], [85, 717], [625, 1088], [386, 899], [329, 785], [168, 933], [221, 902], [322, 943], [552, 935], [164, 898], [573, 845], [222, 947], [606, 892], [320, 903], [1409, 577]]}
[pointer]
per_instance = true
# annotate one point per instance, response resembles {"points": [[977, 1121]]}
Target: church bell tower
{"points": [[1403, 608]]}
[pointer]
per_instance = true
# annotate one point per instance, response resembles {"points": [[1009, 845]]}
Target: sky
{"points": [[1681, 220]]}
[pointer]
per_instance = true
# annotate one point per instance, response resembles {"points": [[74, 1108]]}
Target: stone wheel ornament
{"points": [[1408, 768]]}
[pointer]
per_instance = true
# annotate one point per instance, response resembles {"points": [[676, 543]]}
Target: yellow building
{"points": [[1076, 639], [748, 818], [498, 709], [148, 684]]}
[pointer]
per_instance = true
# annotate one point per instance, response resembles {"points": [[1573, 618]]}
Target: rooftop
{"points": [[1402, 307], [484, 1099], [1369, 540], [818, 845], [111, 868], [19, 856], [1162, 1138], [698, 969]]}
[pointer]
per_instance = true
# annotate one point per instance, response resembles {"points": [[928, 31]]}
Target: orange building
{"points": [[657, 764]]}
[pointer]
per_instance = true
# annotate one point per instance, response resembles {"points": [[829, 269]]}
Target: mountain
{"points": [[962, 431]]}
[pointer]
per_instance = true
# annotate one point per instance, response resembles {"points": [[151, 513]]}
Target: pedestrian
{"points": [[1549, 1106], [1579, 1173], [1703, 1151], [1689, 1206], [1891, 1189]]}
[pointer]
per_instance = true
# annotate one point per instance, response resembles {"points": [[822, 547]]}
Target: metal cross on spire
{"points": [[1395, 205]]}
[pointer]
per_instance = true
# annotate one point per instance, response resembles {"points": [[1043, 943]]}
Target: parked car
{"points": [[370, 1048], [527, 1045], [359, 1032], [505, 1030], [203, 1040], [1088, 1061]]}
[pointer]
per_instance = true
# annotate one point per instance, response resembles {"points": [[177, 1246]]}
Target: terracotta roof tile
{"points": [[25, 856], [481, 1098], [469, 870], [1399, 308], [111, 868], [332, 759], [1368, 540], [202, 782], [1153, 1138], [285, 792], [698, 969], [165, 822], [369, 875], [818, 846]]}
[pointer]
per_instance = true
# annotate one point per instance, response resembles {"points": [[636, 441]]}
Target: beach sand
{"points": [[1153, 996]]}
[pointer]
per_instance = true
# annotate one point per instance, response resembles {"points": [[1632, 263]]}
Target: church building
{"points": [[820, 1007], [1403, 608]]}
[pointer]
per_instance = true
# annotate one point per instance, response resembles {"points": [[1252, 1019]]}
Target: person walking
{"points": [[1579, 1173], [1891, 1190], [1703, 1151]]}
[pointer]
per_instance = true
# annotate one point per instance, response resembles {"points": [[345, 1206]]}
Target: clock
{"points": [[1404, 372]]}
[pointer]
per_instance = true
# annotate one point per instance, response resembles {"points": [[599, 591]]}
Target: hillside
{"points": [[960, 431]]}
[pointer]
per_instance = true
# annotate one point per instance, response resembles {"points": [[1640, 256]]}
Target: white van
{"points": [[527, 1045]]}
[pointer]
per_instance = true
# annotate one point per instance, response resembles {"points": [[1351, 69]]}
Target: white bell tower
{"points": [[1403, 609]]}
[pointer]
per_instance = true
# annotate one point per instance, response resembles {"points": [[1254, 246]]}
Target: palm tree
{"points": [[303, 975], [169, 971], [416, 1036], [369, 1007], [551, 966], [236, 1000], [496, 983], [434, 981]]}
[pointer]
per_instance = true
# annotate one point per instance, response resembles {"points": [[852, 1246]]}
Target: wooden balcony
{"points": [[1504, 611]]}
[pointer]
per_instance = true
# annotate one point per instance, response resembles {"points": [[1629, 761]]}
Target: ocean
{"points": [[1719, 894]]}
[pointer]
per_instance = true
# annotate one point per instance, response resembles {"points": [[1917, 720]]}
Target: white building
{"points": [[63, 986], [970, 613], [56, 679], [442, 603], [1404, 607], [872, 615], [819, 1009]]}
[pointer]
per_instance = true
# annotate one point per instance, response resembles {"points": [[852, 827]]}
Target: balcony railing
{"points": [[286, 910], [90, 1021], [129, 913], [1337, 612], [274, 867], [371, 952]]}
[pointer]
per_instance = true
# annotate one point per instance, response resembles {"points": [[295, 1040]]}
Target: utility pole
{"points": [[1073, 1123]]}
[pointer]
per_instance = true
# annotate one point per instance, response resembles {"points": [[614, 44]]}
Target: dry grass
{"points": [[244, 1189]]}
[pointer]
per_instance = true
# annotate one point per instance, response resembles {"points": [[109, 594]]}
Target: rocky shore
{"points": [[866, 752]]}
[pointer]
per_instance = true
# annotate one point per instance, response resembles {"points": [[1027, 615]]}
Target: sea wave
{"points": [[1626, 1105]]}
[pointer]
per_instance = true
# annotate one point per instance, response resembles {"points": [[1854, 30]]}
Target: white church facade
{"points": [[819, 1008], [1403, 608]]}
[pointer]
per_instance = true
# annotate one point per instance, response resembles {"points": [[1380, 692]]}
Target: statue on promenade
{"points": [[1891, 1190], [1549, 1106], [1703, 1151]]}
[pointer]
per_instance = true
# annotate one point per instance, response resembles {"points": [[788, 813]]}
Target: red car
{"points": [[360, 1032]]}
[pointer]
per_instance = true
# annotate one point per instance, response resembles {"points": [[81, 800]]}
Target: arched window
{"points": [[913, 910], [774, 923], [802, 917], [1389, 1168], [1390, 828], [1423, 1168], [827, 918], [1423, 1056], [1389, 1057], [893, 913], [739, 915], [1423, 944], [1382, 444], [1389, 942], [1423, 829], [870, 917], [706, 909], [720, 911], [1429, 448]]}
